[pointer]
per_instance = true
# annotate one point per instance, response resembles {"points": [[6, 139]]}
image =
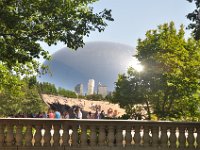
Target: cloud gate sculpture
{"points": [[101, 61]]}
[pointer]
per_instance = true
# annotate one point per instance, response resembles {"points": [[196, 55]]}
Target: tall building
{"points": [[91, 84], [79, 89], [102, 90]]}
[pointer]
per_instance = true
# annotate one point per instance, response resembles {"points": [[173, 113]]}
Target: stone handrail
{"points": [[21, 133]]}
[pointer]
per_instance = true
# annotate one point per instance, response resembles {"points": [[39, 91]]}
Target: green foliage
{"points": [[95, 97], [47, 88], [170, 81], [25, 99], [195, 18], [132, 89], [172, 65], [66, 93], [109, 97], [8, 80], [24, 23]]}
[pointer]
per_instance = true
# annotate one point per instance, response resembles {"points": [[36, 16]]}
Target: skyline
{"points": [[133, 18]]}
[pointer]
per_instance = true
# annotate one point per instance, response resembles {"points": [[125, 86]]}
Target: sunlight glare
{"points": [[136, 65]]}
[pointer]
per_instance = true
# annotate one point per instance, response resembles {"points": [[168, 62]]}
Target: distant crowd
{"points": [[76, 113]]}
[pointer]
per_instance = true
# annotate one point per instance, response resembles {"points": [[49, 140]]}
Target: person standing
{"points": [[89, 115], [97, 114], [57, 115], [51, 114], [66, 115], [102, 114], [79, 114]]}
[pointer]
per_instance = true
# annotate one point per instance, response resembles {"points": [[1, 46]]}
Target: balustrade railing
{"points": [[97, 134]]}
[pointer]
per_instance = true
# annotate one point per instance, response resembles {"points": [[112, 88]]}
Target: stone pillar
{"points": [[173, 138], [28, 135], [75, 135], [119, 137], [2, 136], [102, 136], [93, 136], [155, 139], [137, 137], [191, 138], [56, 136], [47, 136], [181, 138], [9, 135], [128, 136], [111, 136], [164, 138], [38, 135], [65, 135], [198, 137], [84, 137], [146, 137], [19, 136]]}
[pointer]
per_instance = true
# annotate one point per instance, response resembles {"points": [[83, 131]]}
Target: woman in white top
{"points": [[79, 114]]}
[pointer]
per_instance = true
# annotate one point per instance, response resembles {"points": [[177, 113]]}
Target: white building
{"points": [[91, 84], [79, 89], [102, 90]]}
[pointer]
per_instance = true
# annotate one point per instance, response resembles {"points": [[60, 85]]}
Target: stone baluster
{"points": [[93, 136], [119, 136], [56, 136], [164, 138], [128, 136], [28, 135], [191, 138], [155, 138], [38, 135], [111, 135], [84, 137], [2, 136], [19, 136], [102, 136], [198, 137], [75, 135], [137, 137], [146, 137], [47, 135], [182, 138], [173, 138], [9, 135], [65, 135]]}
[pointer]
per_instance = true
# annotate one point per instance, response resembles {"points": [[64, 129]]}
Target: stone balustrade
{"points": [[72, 134]]}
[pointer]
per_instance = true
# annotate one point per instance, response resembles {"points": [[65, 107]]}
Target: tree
{"points": [[26, 23], [24, 100], [132, 89], [170, 81], [23, 23], [195, 18]]}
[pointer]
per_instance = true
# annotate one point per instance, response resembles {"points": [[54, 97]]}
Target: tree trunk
{"points": [[163, 105], [148, 110]]}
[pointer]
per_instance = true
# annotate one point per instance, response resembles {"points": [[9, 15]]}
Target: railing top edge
{"points": [[149, 122]]}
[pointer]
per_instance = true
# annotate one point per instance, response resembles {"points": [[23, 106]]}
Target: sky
{"points": [[132, 18]]}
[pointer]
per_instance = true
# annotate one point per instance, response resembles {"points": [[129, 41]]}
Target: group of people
{"points": [[97, 115], [74, 113]]}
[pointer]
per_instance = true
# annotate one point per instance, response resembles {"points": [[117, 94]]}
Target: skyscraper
{"points": [[91, 84], [79, 89], [102, 90]]}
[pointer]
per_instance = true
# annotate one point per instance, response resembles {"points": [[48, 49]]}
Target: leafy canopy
{"points": [[170, 80], [25, 22], [195, 18]]}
